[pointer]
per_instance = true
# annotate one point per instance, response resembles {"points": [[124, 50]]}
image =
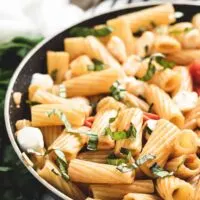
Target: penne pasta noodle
{"points": [[40, 116], [122, 29], [163, 105], [174, 188], [160, 144], [139, 196], [168, 80], [132, 116], [117, 48], [100, 123], [69, 143], [184, 166], [166, 44], [90, 172], [52, 175], [159, 15], [57, 65], [93, 83], [184, 57], [96, 156], [75, 46], [50, 133], [132, 101], [117, 192], [79, 66], [95, 49], [185, 143]]}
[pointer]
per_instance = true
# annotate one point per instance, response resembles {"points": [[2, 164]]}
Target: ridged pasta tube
{"points": [[126, 117], [172, 188], [117, 192], [52, 175], [163, 105], [76, 116], [57, 65], [184, 166], [139, 196], [160, 144], [185, 143], [90, 172]]}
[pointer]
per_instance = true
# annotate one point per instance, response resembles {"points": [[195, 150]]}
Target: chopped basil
{"points": [[31, 103], [54, 74], [178, 32], [150, 108], [160, 59], [112, 159], [129, 167], [62, 164], [62, 91], [85, 31], [160, 172], [5, 169], [148, 130], [98, 65], [120, 135], [61, 116], [93, 138], [117, 91], [144, 159]]}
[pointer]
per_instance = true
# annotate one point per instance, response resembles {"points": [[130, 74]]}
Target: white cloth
{"points": [[32, 17]]}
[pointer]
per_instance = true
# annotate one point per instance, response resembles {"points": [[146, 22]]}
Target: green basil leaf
{"points": [[85, 31], [98, 65], [5, 169], [147, 129], [61, 116], [117, 91], [112, 159], [160, 172], [93, 142], [62, 163], [144, 159], [164, 63], [150, 72]]}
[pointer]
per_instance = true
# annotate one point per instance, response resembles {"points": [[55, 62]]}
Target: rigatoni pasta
{"points": [[118, 113]]}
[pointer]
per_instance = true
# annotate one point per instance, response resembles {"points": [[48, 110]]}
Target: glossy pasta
{"points": [[117, 115]]}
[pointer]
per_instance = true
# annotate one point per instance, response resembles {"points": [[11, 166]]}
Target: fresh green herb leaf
{"points": [[112, 119], [160, 172], [160, 59], [130, 167], [117, 91], [165, 63], [31, 103], [112, 159], [5, 169], [62, 163], [98, 65], [62, 91], [120, 135], [54, 74], [144, 159], [148, 130], [85, 31], [93, 142], [61, 116]]}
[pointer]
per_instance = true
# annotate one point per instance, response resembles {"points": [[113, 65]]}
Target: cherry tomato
{"points": [[89, 121], [194, 69], [147, 116]]}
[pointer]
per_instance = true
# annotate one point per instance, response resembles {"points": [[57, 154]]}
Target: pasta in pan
{"points": [[117, 116]]}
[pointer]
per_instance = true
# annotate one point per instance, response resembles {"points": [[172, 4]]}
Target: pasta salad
{"points": [[117, 116]]}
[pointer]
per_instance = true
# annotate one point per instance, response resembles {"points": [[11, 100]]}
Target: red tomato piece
{"points": [[194, 69], [89, 121], [147, 116]]}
